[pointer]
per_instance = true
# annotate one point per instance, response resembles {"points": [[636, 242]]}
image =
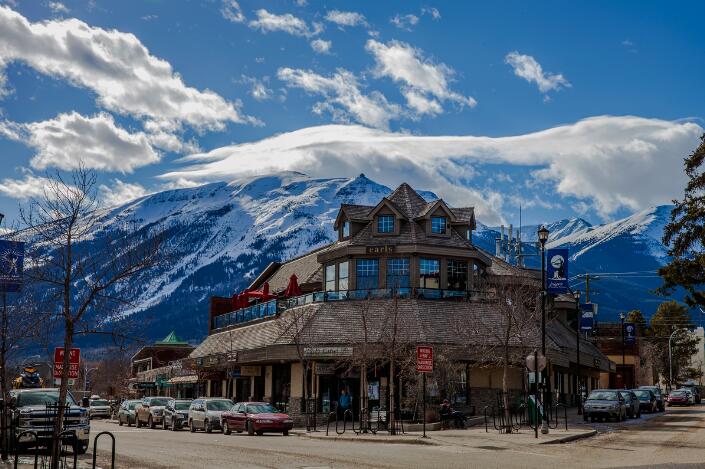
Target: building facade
{"points": [[344, 319]]}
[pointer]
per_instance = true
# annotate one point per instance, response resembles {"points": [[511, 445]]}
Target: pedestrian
{"points": [[344, 402], [448, 413]]}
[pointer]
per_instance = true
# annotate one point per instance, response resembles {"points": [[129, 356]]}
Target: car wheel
{"points": [[82, 448], [150, 422], [120, 421], [250, 428], [239, 431], [173, 425], [138, 422], [260, 433], [208, 426], [191, 427], [226, 427], [285, 433], [164, 425]]}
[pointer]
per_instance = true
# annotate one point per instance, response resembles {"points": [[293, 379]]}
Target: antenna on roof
{"points": [[520, 260]]}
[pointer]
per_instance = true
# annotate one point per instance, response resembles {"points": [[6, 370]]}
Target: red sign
{"points": [[424, 359], [74, 362]]}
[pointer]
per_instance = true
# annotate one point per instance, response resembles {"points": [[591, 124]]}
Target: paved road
{"points": [[676, 439]]}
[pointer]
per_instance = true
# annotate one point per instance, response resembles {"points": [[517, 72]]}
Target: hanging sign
{"points": [[557, 271], [587, 317], [629, 333], [424, 359], [11, 264], [74, 362]]}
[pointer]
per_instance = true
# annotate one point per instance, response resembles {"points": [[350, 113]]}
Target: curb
{"points": [[357, 439], [569, 438]]}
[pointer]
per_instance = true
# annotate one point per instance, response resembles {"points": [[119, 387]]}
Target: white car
{"points": [[99, 408], [205, 413]]}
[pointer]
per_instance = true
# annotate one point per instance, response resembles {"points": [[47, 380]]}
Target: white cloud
{"points": [[526, 67], [609, 162], [58, 7], [258, 88], [419, 77], [126, 78], [288, 23], [435, 14], [301, 3], [321, 47], [405, 22], [70, 139], [420, 104], [119, 192], [346, 18], [30, 186], [232, 12], [343, 97]]}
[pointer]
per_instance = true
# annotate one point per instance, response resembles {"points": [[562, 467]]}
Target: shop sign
{"points": [[325, 368], [557, 271], [245, 370], [386, 249], [327, 352], [210, 375], [597, 362], [373, 390], [424, 359]]}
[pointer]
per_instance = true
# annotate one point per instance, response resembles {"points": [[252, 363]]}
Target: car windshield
{"points": [[603, 396], [99, 402], [132, 405], [261, 409], [642, 393], [182, 405], [158, 402], [656, 391], [678, 393], [219, 405], [34, 398]]}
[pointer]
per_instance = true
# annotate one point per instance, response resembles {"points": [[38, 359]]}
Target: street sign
{"points": [[532, 366], [74, 362], [11, 264], [629, 333], [424, 359], [587, 317], [557, 271]]}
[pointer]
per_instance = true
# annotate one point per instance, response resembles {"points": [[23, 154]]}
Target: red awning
{"points": [[293, 288]]}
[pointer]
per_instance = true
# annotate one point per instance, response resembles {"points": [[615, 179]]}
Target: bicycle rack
{"points": [[36, 447], [71, 434], [95, 449], [331, 414]]}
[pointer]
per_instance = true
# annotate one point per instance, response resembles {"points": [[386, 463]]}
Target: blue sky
{"points": [[600, 100]]}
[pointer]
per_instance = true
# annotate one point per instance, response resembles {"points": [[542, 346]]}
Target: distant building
{"points": [[697, 361], [150, 363], [631, 367]]}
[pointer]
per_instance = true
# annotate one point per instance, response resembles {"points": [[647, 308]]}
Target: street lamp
{"points": [[86, 370], [543, 237], [576, 295], [624, 375], [670, 361]]}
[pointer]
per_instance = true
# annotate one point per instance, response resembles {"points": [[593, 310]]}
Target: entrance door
{"points": [[242, 389], [259, 388]]}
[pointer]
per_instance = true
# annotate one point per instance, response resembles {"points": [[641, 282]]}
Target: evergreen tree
{"points": [[669, 317], [635, 316], [684, 235]]}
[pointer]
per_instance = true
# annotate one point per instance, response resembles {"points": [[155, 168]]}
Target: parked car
{"points": [[660, 400], [691, 396], [631, 402], [99, 408], [693, 387], [647, 400], [256, 418], [176, 414], [126, 414], [604, 404], [205, 413], [678, 397], [150, 411]]}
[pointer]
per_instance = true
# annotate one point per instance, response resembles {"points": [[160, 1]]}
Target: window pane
{"points": [[367, 272], [385, 224], [398, 273], [343, 276], [457, 275], [430, 273], [438, 225], [330, 277], [346, 229]]}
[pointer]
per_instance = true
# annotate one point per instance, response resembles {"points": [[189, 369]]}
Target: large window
{"points": [[398, 273], [367, 274], [438, 225], [457, 275], [430, 273], [343, 276], [346, 229], [385, 224], [330, 277]]}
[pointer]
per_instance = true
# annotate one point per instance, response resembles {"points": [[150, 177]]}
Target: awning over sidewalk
{"points": [[190, 379]]}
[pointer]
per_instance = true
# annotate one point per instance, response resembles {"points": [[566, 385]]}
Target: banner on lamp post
{"points": [[587, 317], [557, 271], [629, 333], [11, 265]]}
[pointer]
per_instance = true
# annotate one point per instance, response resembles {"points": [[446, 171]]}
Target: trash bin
{"points": [[531, 404]]}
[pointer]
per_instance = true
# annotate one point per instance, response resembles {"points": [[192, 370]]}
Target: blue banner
{"points": [[587, 317], [11, 264], [557, 271], [629, 333]]}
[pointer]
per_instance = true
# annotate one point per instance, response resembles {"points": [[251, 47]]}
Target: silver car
{"points": [[126, 413], [99, 408], [605, 404], [205, 413]]}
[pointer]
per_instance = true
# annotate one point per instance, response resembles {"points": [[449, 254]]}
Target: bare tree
{"points": [[506, 337], [82, 269]]}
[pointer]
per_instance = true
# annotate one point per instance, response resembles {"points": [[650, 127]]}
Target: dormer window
{"points": [[346, 229], [385, 224], [438, 225]]}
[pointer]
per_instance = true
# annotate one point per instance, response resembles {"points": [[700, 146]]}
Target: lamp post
{"points": [[624, 375], [670, 361], [543, 237], [86, 370], [576, 295]]}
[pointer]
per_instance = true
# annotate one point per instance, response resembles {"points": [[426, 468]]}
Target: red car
{"points": [[255, 417], [678, 398]]}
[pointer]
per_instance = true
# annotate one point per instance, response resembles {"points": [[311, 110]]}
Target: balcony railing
{"points": [[270, 308]]}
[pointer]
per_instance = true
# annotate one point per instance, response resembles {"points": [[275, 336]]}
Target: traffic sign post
{"points": [[74, 362], [424, 364]]}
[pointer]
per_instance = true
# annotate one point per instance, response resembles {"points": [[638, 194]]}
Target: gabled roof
{"points": [[431, 207], [171, 339], [410, 203], [385, 202], [353, 212]]}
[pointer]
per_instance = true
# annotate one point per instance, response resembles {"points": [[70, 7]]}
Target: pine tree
{"points": [[636, 317], [684, 235]]}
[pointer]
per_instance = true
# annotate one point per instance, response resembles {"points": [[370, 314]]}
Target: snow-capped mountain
{"points": [[219, 236]]}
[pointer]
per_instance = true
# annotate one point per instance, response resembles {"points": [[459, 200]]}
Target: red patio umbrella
{"points": [[293, 288]]}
